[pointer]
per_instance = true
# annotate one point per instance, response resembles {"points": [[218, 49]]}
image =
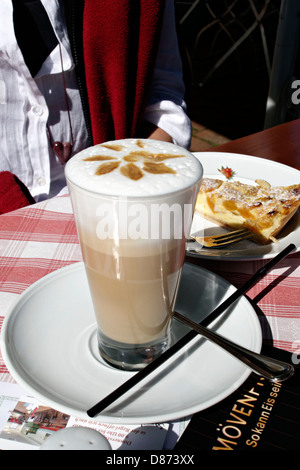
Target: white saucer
{"points": [[49, 345], [247, 169]]}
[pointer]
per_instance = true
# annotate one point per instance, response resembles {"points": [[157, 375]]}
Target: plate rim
{"points": [[250, 157], [171, 416]]}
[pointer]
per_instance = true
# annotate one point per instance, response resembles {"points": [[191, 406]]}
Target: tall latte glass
{"points": [[133, 202]]}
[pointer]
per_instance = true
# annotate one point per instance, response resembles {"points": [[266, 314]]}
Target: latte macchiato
{"points": [[133, 202]]}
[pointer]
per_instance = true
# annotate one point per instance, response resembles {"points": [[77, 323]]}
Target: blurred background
{"points": [[230, 49]]}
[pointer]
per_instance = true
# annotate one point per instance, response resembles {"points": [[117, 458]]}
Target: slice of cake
{"points": [[262, 209]]}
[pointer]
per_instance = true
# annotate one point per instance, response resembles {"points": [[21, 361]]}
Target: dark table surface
{"points": [[280, 144]]}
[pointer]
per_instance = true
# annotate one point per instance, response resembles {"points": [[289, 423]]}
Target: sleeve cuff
{"points": [[172, 119]]}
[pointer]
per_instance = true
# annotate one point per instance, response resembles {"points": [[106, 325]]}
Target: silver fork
{"points": [[224, 239]]}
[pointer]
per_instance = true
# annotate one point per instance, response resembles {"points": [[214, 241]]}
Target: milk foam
{"points": [[186, 169]]}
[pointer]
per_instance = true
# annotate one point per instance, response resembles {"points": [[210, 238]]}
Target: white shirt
{"points": [[28, 104]]}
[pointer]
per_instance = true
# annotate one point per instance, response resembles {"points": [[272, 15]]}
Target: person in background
{"points": [[75, 73]]}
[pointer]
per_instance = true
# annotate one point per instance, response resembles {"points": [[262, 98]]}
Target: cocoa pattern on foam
{"points": [[152, 162]]}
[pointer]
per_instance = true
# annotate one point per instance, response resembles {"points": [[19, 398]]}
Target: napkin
{"points": [[13, 193]]}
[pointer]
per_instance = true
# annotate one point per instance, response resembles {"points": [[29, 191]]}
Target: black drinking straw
{"points": [[135, 379]]}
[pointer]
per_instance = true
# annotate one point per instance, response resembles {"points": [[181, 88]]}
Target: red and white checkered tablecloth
{"points": [[42, 238]]}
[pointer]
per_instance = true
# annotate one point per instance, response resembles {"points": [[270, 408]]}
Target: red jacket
{"points": [[13, 193]]}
